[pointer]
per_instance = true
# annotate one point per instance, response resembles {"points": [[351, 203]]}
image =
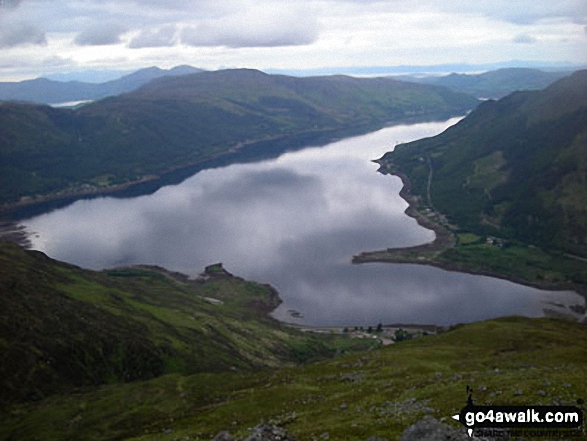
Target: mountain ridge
{"points": [[177, 121], [494, 84], [46, 91], [513, 167]]}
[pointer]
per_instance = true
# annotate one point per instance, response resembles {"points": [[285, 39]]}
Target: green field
{"points": [[519, 262]]}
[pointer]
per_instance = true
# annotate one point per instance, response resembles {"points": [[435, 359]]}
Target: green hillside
{"points": [[509, 361], [176, 121], [62, 327], [514, 168], [142, 353]]}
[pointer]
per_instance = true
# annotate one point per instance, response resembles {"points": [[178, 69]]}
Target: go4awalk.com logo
{"points": [[533, 421]]}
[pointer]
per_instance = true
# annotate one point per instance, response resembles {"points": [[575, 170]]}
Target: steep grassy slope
{"points": [[62, 327], [515, 167], [509, 361], [175, 121]]}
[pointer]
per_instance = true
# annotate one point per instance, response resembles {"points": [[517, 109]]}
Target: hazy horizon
{"points": [[39, 38], [100, 76]]}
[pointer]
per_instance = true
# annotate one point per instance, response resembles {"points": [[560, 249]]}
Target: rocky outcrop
{"points": [[427, 429], [263, 432], [430, 429]]}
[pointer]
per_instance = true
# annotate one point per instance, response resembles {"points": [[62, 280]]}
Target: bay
{"points": [[295, 222]]}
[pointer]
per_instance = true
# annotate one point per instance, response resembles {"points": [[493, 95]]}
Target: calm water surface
{"points": [[294, 222]]}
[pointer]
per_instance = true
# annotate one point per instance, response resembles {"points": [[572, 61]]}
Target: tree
{"points": [[401, 335]]}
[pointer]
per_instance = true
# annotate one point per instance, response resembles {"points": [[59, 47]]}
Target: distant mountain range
{"points": [[493, 84], [174, 121], [42, 90], [425, 70], [515, 168]]}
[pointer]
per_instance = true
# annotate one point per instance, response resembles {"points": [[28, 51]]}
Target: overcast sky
{"points": [[48, 36]]}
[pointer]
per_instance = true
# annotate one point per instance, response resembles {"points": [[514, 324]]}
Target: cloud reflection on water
{"points": [[294, 222]]}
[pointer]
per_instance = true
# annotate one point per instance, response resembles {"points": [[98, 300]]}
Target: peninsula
{"points": [[503, 189]]}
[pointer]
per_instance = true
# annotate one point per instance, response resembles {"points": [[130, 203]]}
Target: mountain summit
{"points": [[45, 91]]}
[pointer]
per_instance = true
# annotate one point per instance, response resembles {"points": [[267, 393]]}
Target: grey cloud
{"points": [[522, 12], [201, 36], [55, 60], [101, 34], [200, 5], [259, 185], [17, 34], [162, 37], [9, 4], [232, 33], [529, 11], [524, 39]]}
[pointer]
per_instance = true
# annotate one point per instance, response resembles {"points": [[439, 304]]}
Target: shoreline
{"points": [[324, 136], [421, 254], [6, 209], [62, 195], [15, 233], [29, 201], [424, 254], [406, 326]]}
